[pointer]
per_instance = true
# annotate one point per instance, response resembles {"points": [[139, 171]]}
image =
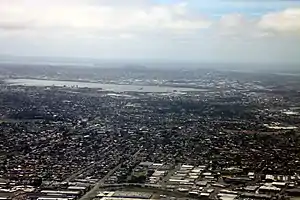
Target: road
{"points": [[170, 173], [93, 192], [81, 171], [156, 189], [75, 175]]}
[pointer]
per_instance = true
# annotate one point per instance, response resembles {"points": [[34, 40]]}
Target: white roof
{"points": [[178, 180], [227, 196], [157, 164], [269, 188], [249, 187], [115, 198], [279, 183], [269, 176], [197, 170], [187, 166], [194, 174], [201, 183], [105, 194], [52, 198], [183, 189], [210, 190], [228, 192], [60, 192], [76, 188], [204, 194]]}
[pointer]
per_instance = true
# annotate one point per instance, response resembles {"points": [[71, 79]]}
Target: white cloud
{"points": [[232, 24], [139, 28], [33, 14], [284, 21], [107, 16], [232, 20], [270, 24]]}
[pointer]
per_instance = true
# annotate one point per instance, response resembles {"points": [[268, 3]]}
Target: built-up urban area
{"points": [[198, 134]]}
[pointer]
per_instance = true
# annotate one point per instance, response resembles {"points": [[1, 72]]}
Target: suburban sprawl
{"points": [[141, 133]]}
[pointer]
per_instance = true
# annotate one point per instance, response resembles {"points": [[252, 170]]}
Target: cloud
{"points": [[134, 16], [150, 28], [100, 16], [284, 21], [233, 24], [13, 26], [232, 20]]}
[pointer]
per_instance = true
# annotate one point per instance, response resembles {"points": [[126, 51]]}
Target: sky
{"points": [[258, 31]]}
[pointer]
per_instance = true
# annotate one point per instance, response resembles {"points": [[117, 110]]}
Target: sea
{"points": [[103, 86]]}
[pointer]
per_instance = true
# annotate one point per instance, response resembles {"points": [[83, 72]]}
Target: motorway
{"points": [[75, 175], [93, 192]]}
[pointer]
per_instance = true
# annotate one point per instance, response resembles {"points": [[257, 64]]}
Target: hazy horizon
{"points": [[145, 64]]}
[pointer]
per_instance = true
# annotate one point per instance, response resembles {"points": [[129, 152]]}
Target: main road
{"points": [[79, 172], [93, 192]]}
